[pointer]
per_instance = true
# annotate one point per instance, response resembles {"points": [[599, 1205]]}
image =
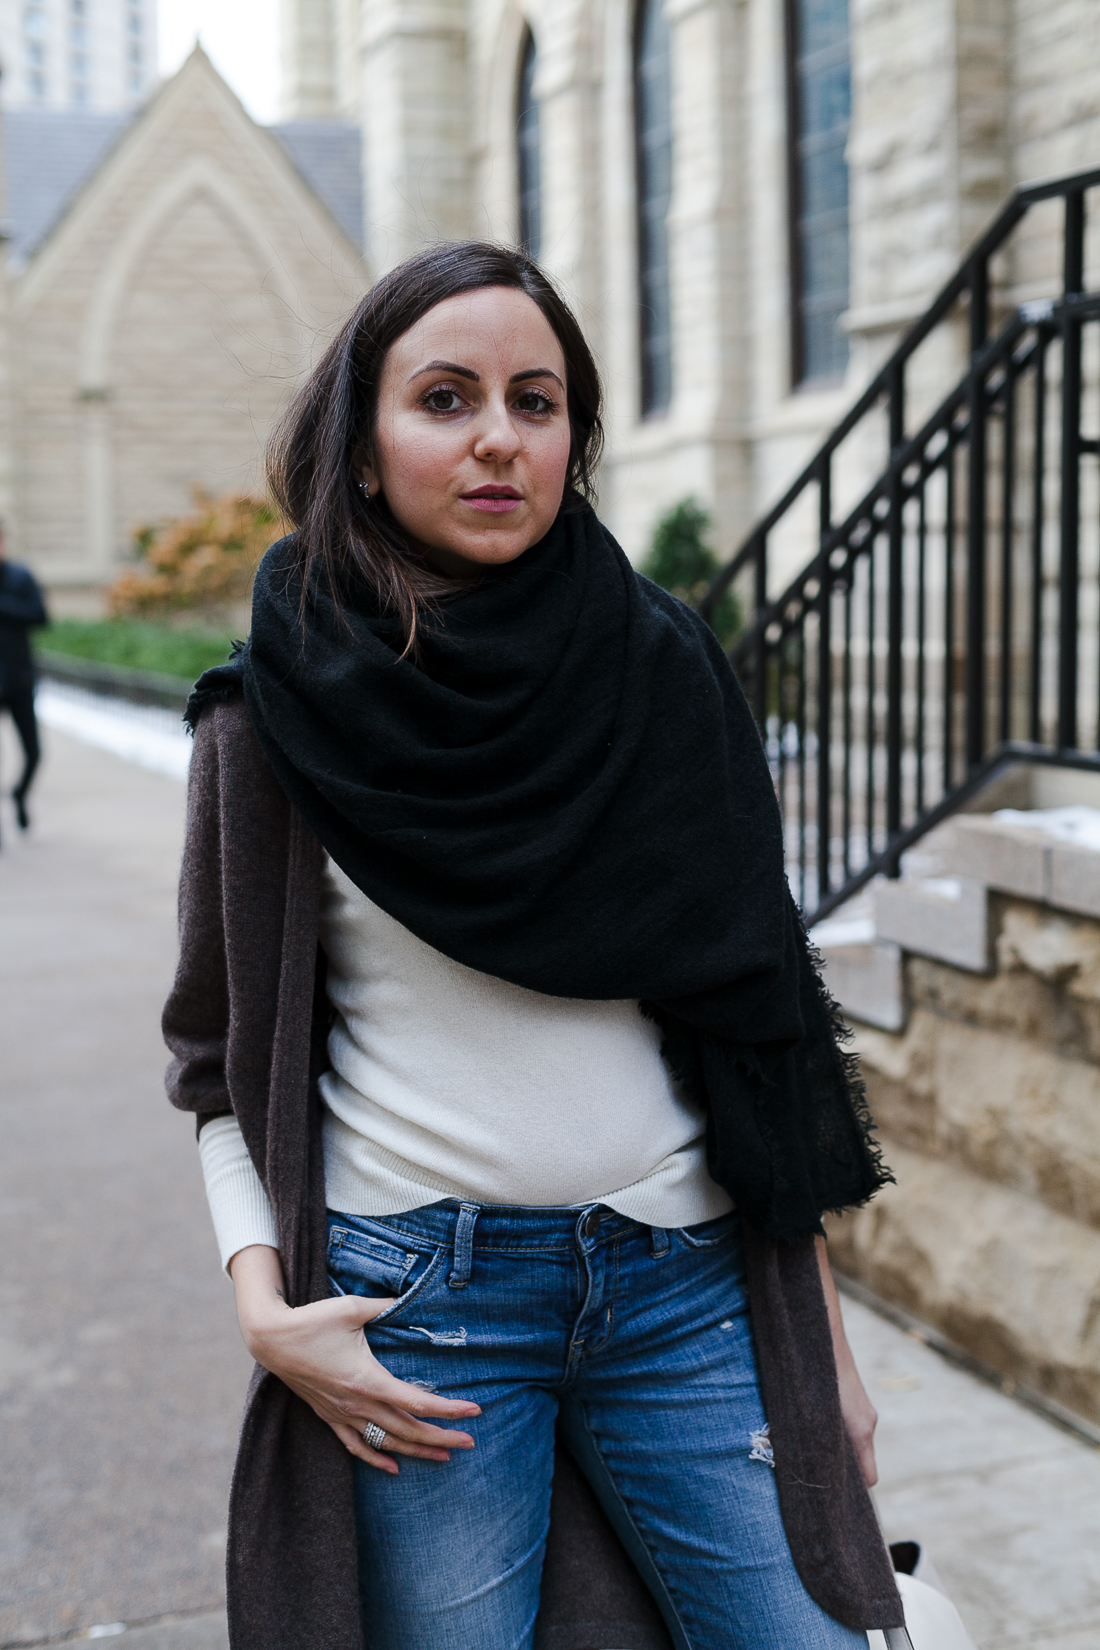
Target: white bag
{"points": [[931, 1620]]}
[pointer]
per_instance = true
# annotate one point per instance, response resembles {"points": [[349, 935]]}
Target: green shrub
{"points": [[126, 642], [681, 560]]}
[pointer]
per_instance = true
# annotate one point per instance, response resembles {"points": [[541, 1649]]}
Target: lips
{"points": [[493, 499]]}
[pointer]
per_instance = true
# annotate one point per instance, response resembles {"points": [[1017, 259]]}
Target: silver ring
{"points": [[375, 1436]]}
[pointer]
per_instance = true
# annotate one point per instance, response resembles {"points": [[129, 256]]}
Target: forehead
{"points": [[492, 326]]}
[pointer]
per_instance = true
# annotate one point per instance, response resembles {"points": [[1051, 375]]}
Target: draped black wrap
{"points": [[565, 789]]}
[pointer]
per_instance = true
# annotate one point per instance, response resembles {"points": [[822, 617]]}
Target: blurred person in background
{"points": [[22, 610], [519, 1096]]}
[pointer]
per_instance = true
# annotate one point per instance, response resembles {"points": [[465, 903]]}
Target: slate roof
{"points": [[328, 155], [50, 153]]}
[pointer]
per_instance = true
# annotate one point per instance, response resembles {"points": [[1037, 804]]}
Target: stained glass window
{"points": [[819, 115], [527, 145], [653, 136]]}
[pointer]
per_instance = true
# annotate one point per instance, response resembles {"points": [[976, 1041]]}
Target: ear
{"points": [[363, 470]]}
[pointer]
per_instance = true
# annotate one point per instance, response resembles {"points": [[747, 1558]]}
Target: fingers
{"points": [[405, 1434], [413, 1400], [406, 1428], [354, 1442], [356, 1445], [362, 1308], [868, 1466]]}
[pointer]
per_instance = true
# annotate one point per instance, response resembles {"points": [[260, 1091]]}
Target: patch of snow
{"points": [[843, 931], [145, 734], [1078, 824]]}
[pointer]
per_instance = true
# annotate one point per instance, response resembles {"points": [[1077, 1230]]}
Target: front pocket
{"points": [[418, 1286], [375, 1266], [360, 1263]]}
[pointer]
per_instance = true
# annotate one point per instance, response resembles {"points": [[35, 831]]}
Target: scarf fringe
{"points": [[220, 682], [855, 1087]]}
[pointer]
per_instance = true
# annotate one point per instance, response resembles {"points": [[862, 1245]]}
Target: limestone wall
{"points": [[988, 1102], [954, 101]]}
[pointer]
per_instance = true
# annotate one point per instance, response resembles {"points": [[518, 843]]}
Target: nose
{"points": [[497, 436]]}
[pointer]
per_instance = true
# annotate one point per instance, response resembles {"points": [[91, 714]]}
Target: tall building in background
{"points": [[97, 56]]}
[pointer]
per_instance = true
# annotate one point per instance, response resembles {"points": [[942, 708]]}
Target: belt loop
{"points": [[464, 1246], [659, 1243]]}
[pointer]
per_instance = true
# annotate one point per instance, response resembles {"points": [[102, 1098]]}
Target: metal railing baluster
{"points": [[1038, 521], [894, 617], [869, 718], [949, 621], [846, 821], [922, 544], [824, 685], [800, 726], [1008, 493], [978, 280], [1069, 514]]}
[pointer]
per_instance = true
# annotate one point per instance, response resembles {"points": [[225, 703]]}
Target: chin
{"points": [[493, 555], [492, 546]]}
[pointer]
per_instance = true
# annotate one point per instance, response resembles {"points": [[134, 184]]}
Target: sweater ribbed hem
{"points": [[363, 1178], [239, 1205]]}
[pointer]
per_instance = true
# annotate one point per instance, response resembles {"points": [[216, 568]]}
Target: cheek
{"points": [[548, 459], [419, 458]]}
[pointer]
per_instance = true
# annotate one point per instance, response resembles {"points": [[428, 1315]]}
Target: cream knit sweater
{"points": [[446, 1082]]}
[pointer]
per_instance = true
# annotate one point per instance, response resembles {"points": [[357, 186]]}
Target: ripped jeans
{"points": [[637, 1342]]}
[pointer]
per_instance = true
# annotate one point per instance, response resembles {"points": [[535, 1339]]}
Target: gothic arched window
{"points": [[653, 144], [819, 101], [527, 152]]}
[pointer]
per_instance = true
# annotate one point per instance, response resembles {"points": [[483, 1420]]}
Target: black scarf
{"points": [[566, 790]]}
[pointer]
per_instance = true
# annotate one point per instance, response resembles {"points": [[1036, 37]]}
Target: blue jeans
{"points": [[637, 1342]]}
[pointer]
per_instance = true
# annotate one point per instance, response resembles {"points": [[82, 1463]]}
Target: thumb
{"points": [[362, 1308]]}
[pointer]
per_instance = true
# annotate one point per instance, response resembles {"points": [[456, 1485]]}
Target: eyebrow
{"points": [[475, 378], [447, 366], [535, 372]]}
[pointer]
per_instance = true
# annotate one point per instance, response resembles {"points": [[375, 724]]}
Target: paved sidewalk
{"points": [[1006, 1504], [121, 1372]]}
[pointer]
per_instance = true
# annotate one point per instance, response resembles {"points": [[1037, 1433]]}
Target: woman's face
{"points": [[471, 443]]}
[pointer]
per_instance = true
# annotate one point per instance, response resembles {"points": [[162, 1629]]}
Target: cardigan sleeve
{"points": [[196, 1015]]}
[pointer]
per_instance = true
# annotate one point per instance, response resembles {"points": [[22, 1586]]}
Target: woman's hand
{"points": [[855, 1406], [320, 1352]]}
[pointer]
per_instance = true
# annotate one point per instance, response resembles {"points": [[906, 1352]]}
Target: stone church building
{"points": [[747, 200], [160, 313]]}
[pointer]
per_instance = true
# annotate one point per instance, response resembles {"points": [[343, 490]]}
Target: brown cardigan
{"points": [[246, 1024]]}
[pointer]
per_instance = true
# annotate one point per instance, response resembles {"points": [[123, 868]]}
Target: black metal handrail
{"points": [[141, 687], [941, 621]]}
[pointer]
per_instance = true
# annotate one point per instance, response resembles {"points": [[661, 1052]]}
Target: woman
{"points": [[506, 1047]]}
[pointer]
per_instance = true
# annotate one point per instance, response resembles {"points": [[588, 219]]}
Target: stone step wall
{"points": [[983, 1073]]}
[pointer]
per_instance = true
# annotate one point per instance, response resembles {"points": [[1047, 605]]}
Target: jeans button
{"points": [[592, 1224]]}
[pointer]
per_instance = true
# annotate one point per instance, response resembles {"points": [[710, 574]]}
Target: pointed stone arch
{"points": [[197, 178], [196, 175]]}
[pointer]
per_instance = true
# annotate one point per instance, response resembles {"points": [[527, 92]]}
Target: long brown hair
{"points": [[327, 428]]}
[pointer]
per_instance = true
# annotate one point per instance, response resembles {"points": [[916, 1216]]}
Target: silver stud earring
{"points": [[365, 489]]}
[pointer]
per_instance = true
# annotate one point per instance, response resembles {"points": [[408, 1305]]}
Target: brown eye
{"points": [[534, 401], [442, 400]]}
